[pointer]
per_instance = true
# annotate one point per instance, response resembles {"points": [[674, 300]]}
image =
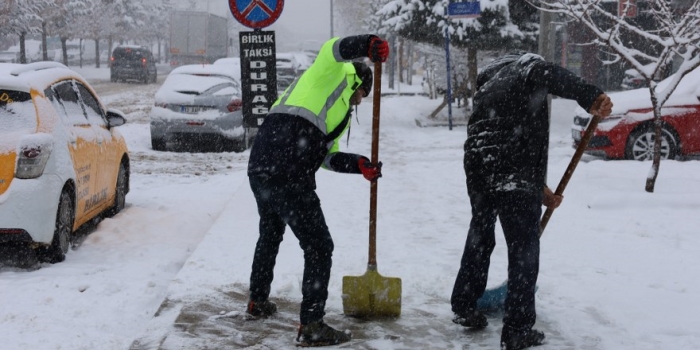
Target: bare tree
{"points": [[676, 38], [18, 17]]}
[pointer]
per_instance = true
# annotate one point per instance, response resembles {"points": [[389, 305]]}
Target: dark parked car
{"points": [[132, 63], [628, 133]]}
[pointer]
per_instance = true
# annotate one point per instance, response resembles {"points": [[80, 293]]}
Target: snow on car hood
{"points": [[686, 93]]}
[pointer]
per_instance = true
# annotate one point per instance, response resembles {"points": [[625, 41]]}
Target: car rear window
{"points": [[17, 117], [130, 54]]}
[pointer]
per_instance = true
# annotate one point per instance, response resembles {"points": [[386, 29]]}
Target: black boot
{"points": [[263, 308], [513, 339], [471, 318], [320, 334]]}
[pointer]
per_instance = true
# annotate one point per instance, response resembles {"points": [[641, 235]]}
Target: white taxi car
{"points": [[62, 161]]}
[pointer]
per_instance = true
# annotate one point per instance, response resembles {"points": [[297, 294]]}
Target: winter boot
{"points": [[513, 339], [320, 334], [471, 319], [263, 308]]}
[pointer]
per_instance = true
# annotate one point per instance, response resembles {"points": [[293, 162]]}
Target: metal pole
{"points": [[449, 80], [331, 18]]}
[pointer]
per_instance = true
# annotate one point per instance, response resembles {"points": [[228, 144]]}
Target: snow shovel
{"points": [[494, 299], [372, 295]]}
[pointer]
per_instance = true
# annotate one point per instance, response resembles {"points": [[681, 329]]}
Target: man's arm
{"points": [[561, 82]]}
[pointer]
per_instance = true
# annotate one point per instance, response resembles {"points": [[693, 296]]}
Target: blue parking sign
{"points": [[464, 9]]}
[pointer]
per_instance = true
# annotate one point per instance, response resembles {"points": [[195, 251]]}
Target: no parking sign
{"points": [[256, 14]]}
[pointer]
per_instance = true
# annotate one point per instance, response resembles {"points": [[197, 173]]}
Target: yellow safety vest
{"points": [[322, 94]]}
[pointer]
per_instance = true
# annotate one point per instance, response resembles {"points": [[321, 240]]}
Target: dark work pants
{"points": [[519, 213], [299, 207]]}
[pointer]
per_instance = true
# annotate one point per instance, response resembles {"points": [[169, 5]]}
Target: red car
{"points": [[628, 133]]}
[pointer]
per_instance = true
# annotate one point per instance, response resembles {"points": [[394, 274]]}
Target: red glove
{"points": [[370, 171], [378, 50]]}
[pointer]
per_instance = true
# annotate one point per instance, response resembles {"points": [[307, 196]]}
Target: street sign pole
{"points": [[461, 9]]}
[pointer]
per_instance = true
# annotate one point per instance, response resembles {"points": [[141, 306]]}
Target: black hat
{"points": [[365, 74]]}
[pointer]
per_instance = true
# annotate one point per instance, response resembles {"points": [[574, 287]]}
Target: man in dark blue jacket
{"points": [[298, 136], [505, 161]]}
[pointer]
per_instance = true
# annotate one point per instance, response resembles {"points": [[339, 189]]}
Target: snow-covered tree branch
{"points": [[675, 38]]}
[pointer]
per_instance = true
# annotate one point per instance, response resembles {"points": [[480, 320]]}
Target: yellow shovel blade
{"points": [[371, 295]]}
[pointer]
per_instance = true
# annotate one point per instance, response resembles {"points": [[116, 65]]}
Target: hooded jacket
{"points": [[508, 132]]}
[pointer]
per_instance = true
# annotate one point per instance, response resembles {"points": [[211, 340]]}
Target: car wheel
{"points": [[60, 244], [158, 144], [640, 144], [113, 78], [119, 192]]}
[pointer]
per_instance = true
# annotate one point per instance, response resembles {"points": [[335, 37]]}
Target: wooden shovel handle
{"points": [[372, 261], [570, 169]]}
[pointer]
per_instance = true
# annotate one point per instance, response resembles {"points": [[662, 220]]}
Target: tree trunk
{"points": [[44, 49], [472, 53], [401, 65], [656, 161], [65, 50], [97, 53], [22, 48], [409, 75], [392, 61]]}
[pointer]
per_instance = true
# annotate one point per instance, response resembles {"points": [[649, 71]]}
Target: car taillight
{"points": [[235, 105], [31, 161], [161, 105], [143, 62], [111, 61]]}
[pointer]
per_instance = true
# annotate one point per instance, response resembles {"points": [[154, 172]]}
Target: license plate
{"points": [[576, 134], [190, 109]]}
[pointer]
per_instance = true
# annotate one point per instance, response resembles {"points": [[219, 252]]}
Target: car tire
{"points": [[113, 78], [640, 143], [158, 144], [65, 216], [121, 188]]}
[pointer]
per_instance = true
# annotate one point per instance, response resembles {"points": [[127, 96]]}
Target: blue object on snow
{"points": [[494, 299]]}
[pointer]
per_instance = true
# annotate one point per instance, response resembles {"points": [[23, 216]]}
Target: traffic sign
{"points": [[464, 9], [628, 8], [256, 14]]}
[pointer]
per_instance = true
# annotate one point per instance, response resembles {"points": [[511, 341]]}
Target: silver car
{"points": [[199, 105]]}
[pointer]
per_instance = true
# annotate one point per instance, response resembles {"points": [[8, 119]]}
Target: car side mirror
{"points": [[115, 118]]}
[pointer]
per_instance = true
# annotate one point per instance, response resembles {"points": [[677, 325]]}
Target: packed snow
{"points": [[617, 264]]}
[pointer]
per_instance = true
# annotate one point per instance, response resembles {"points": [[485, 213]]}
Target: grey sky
{"points": [[306, 22]]}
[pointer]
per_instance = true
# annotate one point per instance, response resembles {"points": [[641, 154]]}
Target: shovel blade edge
{"points": [[371, 295]]}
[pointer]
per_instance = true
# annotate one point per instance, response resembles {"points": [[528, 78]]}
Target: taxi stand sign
{"points": [[258, 57], [258, 75]]}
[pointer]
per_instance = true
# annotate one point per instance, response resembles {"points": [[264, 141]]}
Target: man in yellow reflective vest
{"points": [[299, 135]]}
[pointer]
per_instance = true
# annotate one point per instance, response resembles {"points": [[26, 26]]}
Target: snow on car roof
{"points": [[234, 63], [38, 75], [194, 79]]}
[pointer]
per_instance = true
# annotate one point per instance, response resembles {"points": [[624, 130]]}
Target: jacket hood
{"points": [[490, 70]]}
